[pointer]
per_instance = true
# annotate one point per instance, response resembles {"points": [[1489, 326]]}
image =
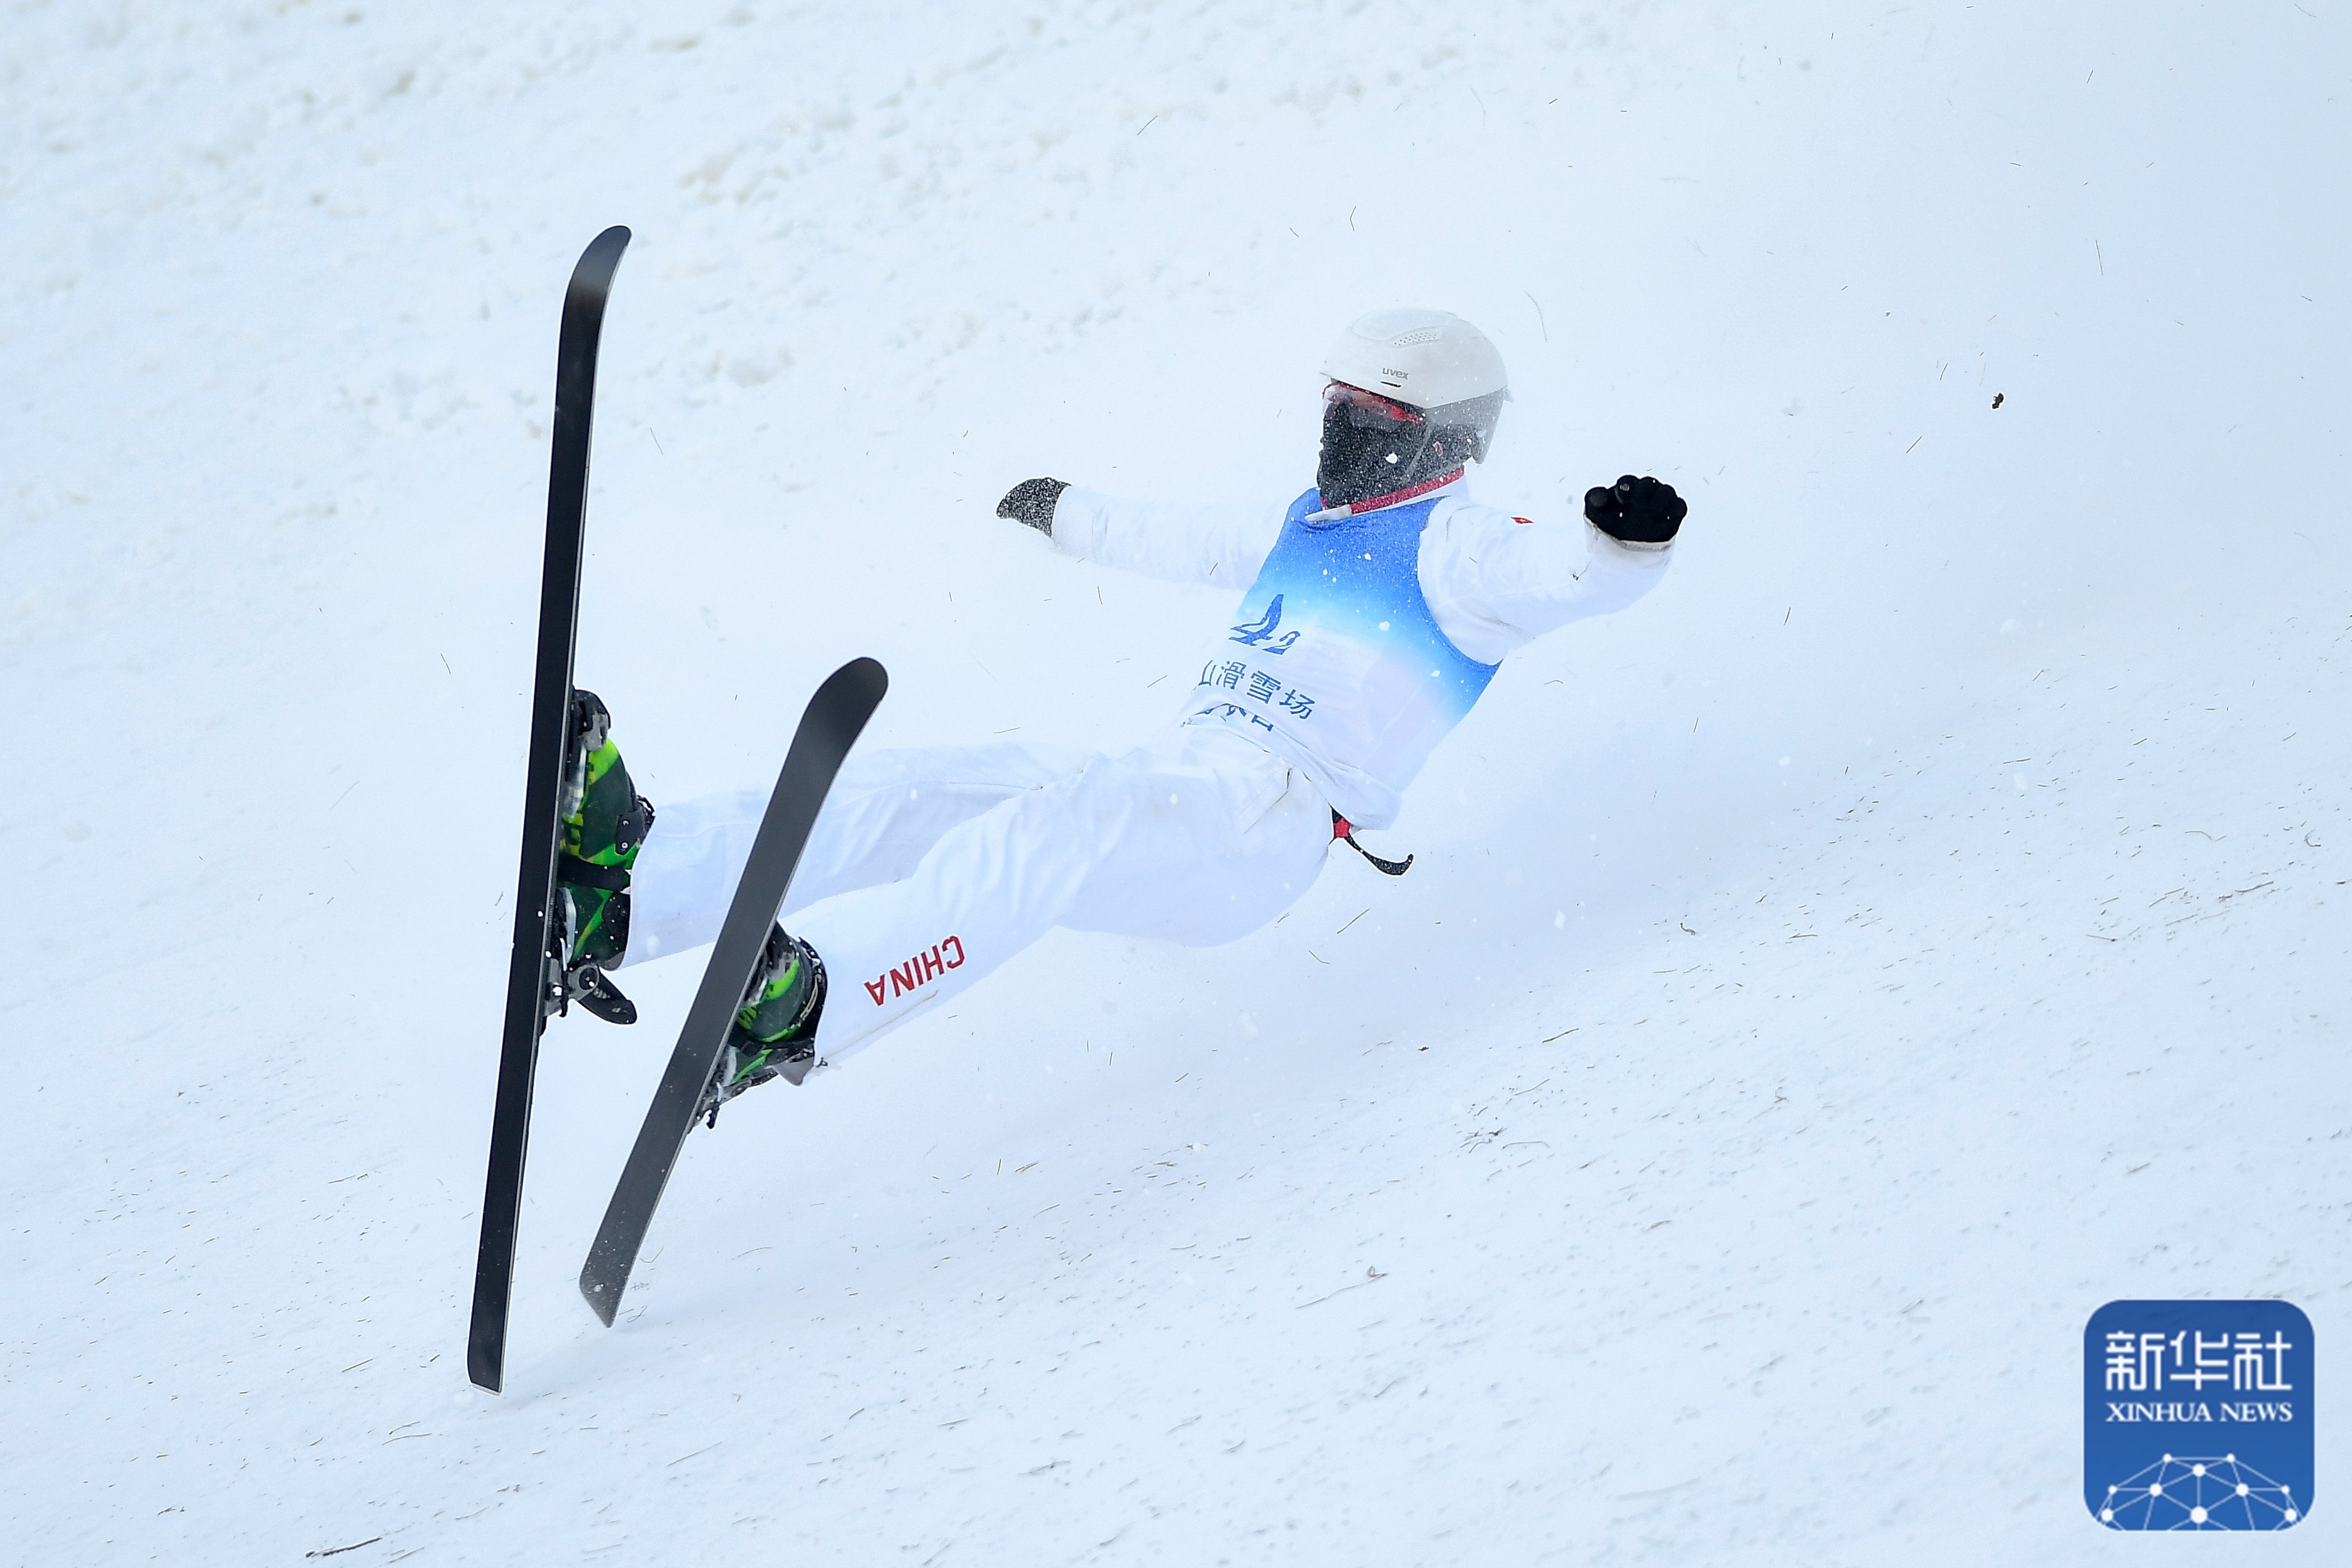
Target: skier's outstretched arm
{"points": [[1185, 542], [1496, 581]]}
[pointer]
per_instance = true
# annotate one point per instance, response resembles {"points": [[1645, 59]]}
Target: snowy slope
{"points": [[1820, 988]]}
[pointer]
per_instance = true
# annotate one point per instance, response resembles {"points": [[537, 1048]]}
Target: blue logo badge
{"points": [[1259, 633], [2197, 1415]]}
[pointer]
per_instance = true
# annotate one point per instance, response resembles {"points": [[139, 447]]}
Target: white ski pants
{"points": [[927, 868]]}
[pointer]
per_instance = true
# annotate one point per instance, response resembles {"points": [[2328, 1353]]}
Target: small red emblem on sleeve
{"points": [[1529, 520]]}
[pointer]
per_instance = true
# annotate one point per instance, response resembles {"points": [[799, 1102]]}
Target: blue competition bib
{"points": [[1335, 662]]}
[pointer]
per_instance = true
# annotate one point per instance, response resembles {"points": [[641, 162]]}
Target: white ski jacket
{"points": [[1358, 705]]}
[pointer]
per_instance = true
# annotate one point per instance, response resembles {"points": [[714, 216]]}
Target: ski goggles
{"points": [[1369, 410]]}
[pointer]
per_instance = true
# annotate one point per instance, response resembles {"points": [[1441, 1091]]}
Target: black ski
{"points": [[534, 976], [836, 715]]}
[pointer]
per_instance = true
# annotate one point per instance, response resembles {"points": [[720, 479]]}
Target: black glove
{"points": [[1636, 512], [1032, 501]]}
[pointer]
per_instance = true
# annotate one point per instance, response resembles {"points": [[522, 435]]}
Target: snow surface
{"points": [[1819, 990]]}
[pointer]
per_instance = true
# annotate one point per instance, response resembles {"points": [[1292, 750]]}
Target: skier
{"points": [[1376, 607]]}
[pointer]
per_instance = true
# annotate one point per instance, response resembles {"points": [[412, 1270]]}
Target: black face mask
{"points": [[1360, 463]]}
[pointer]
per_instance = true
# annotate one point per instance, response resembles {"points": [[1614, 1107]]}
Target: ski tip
{"points": [[864, 676], [592, 275], [603, 1300], [484, 1371]]}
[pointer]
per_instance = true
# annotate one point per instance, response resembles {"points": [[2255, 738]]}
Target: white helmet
{"points": [[1424, 358], [1449, 382]]}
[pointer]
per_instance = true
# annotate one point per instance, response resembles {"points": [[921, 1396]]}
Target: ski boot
{"points": [[774, 1032], [604, 822]]}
